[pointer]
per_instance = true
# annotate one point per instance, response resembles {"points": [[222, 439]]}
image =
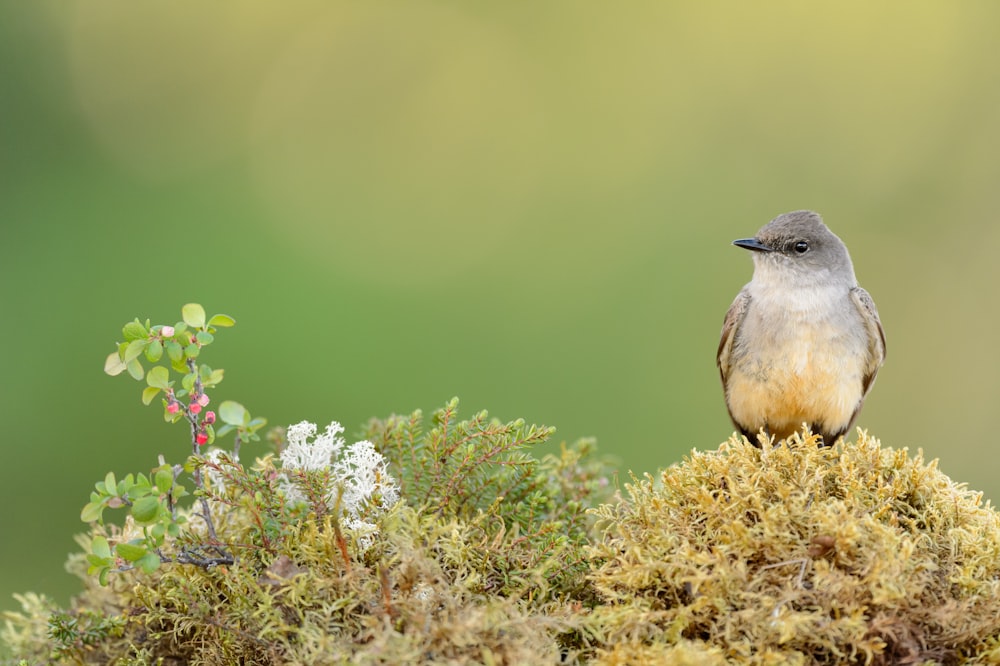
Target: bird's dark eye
{"points": [[801, 247]]}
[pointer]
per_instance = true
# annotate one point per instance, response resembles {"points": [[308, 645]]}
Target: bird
{"points": [[802, 342]]}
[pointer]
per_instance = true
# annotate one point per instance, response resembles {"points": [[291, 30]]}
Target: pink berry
{"points": [[210, 417], [167, 331], [194, 407], [173, 407], [203, 400]]}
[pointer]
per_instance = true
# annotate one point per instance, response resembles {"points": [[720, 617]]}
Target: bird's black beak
{"points": [[752, 244]]}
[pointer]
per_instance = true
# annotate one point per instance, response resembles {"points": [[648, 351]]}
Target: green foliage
{"points": [[447, 541], [458, 467], [479, 471], [74, 632], [484, 536], [236, 417], [781, 554], [182, 342], [152, 501], [440, 581]]}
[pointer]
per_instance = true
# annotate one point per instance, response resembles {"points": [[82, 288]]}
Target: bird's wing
{"points": [[876, 336], [737, 311]]}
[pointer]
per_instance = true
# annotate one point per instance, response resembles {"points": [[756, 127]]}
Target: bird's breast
{"points": [[798, 358]]}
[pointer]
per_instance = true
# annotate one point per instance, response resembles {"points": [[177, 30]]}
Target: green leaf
{"points": [[149, 394], [154, 351], [113, 364], [214, 378], [97, 562], [99, 546], [134, 331], [146, 509], [193, 315], [204, 338], [110, 483], [103, 577], [174, 350], [164, 479], [134, 349], [204, 372], [135, 369], [92, 512], [224, 321], [191, 351], [149, 562], [158, 377], [130, 552], [233, 413]]}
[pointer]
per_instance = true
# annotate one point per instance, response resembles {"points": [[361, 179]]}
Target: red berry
{"points": [[173, 407], [194, 407], [200, 438]]}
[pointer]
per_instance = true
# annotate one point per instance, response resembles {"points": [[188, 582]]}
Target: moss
{"points": [[789, 554], [853, 554], [482, 563]]}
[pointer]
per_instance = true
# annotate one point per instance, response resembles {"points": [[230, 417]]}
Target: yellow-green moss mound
{"points": [[799, 554], [788, 554]]}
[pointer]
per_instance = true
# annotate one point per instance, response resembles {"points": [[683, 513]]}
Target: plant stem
{"points": [[206, 512]]}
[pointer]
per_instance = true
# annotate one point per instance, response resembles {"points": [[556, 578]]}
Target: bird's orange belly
{"points": [[780, 394]]}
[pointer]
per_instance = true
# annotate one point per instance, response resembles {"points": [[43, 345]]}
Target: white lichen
{"points": [[300, 453], [216, 480], [356, 479]]}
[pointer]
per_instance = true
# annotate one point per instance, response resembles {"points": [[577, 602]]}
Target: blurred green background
{"points": [[528, 205]]}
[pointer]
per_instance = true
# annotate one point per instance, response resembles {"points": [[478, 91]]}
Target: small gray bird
{"points": [[802, 342]]}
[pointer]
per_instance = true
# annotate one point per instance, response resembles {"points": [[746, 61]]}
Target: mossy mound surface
{"points": [[787, 554], [800, 554], [482, 560]]}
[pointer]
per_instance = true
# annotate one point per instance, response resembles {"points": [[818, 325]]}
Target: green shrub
{"points": [[447, 541]]}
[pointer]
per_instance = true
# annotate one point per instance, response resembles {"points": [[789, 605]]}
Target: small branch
{"points": [[203, 562], [192, 556], [206, 512], [383, 576], [342, 545]]}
